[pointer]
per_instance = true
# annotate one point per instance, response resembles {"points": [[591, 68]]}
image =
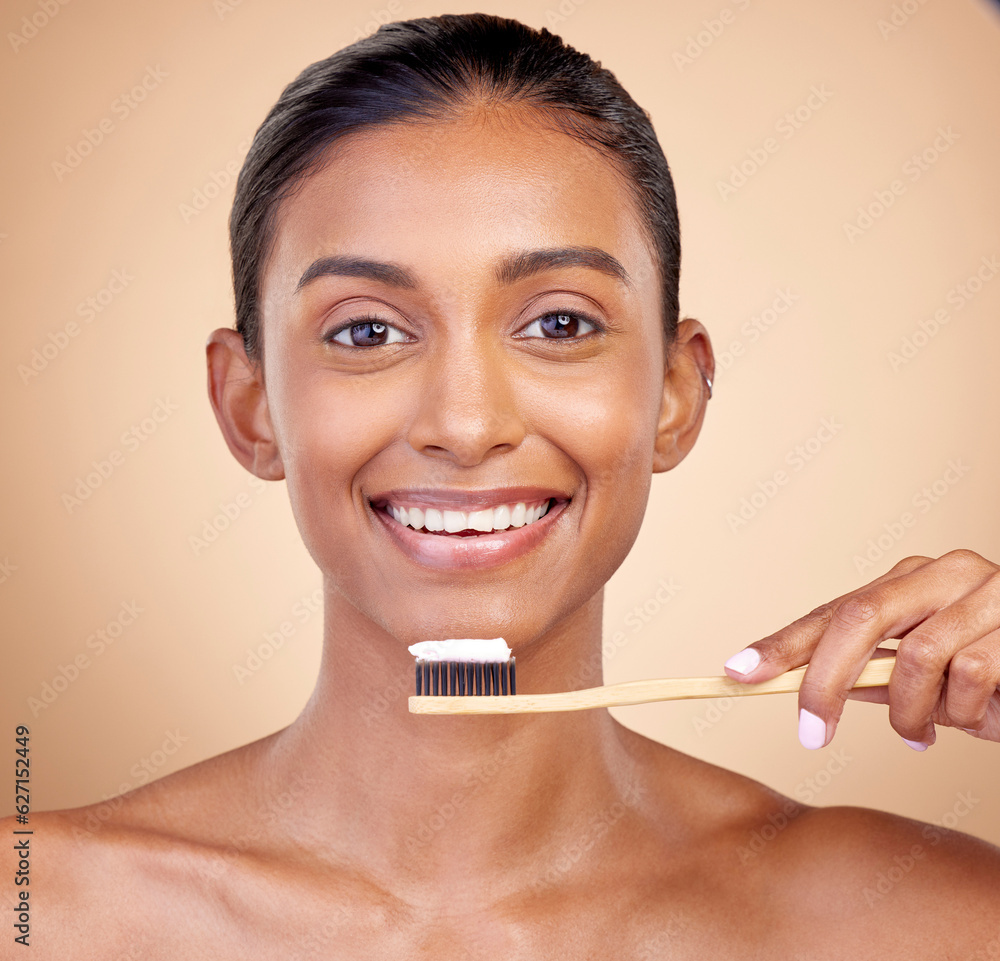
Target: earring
{"points": [[707, 381]]}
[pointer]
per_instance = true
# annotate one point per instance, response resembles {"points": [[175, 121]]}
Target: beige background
{"points": [[169, 678]]}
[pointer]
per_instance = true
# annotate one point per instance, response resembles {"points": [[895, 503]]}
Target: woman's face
{"points": [[423, 349]]}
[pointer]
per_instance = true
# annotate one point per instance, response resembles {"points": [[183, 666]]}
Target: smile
{"points": [[470, 523], [453, 539]]}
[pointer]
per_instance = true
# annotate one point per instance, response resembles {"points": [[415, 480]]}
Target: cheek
{"points": [[606, 425], [330, 429], [333, 433]]}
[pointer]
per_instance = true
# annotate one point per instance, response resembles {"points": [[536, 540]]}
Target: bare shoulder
{"points": [[880, 885], [82, 887], [903, 870], [826, 882], [110, 878]]}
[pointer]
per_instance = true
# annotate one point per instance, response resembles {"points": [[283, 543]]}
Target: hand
{"points": [[946, 615]]}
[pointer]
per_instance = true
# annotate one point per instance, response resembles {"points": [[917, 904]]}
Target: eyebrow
{"points": [[509, 269]]}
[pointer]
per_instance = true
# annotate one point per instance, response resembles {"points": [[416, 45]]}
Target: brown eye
{"points": [[561, 325], [367, 332]]}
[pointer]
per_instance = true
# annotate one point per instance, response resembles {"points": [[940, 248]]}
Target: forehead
{"points": [[454, 196]]}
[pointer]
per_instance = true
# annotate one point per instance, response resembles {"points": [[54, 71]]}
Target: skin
{"points": [[363, 831]]}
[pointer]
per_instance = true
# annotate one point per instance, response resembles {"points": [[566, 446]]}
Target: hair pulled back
{"points": [[429, 70]]}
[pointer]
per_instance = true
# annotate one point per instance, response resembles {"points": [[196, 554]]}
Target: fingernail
{"points": [[917, 745], [812, 730], [745, 661], [969, 730]]}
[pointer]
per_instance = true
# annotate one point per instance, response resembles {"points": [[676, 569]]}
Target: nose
{"points": [[468, 410]]}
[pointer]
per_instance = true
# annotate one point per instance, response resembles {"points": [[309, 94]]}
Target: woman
{"points": [[456, 259]]}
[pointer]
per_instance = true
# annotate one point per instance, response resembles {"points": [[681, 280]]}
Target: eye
{"points": [[561, 324], [366, 332]]}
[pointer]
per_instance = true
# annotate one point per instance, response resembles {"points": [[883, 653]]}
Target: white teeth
{"points": [[501, 518], [455, 521], [480, 520], [489, 519]]}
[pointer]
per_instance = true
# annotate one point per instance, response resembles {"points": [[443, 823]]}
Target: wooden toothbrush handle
{"points": [[876, 673]]}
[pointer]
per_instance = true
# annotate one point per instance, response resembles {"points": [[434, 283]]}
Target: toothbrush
{"points": [[444, 686]]}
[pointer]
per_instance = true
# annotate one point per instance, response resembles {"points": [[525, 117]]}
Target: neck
{"points": [[449, 797]]}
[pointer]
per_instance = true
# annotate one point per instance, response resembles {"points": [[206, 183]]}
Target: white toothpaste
{"points": [[462, 649]]}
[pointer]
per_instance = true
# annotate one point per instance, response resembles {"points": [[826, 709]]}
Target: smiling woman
{"points": [[456, 258]]}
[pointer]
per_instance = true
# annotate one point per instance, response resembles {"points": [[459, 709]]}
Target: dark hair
{"points": [[428, 70]]}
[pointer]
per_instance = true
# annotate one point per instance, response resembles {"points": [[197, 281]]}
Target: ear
{"points": [[685, 394], [236, 389]]}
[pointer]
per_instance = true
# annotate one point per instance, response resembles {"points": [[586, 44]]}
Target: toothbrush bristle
{"points": [[461, 678]]}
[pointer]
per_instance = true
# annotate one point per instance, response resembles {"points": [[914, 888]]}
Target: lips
{"points": [[464, 547]]}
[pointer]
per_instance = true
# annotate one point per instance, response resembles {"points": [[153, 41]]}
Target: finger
{"points": [[859, 624], [793, 645], [877, 695], [973, 676], [989, 730], [955, 640]]}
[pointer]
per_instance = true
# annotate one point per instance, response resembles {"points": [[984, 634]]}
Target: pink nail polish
{"points": [[744, 662], [812, 730], [917, 745]]}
